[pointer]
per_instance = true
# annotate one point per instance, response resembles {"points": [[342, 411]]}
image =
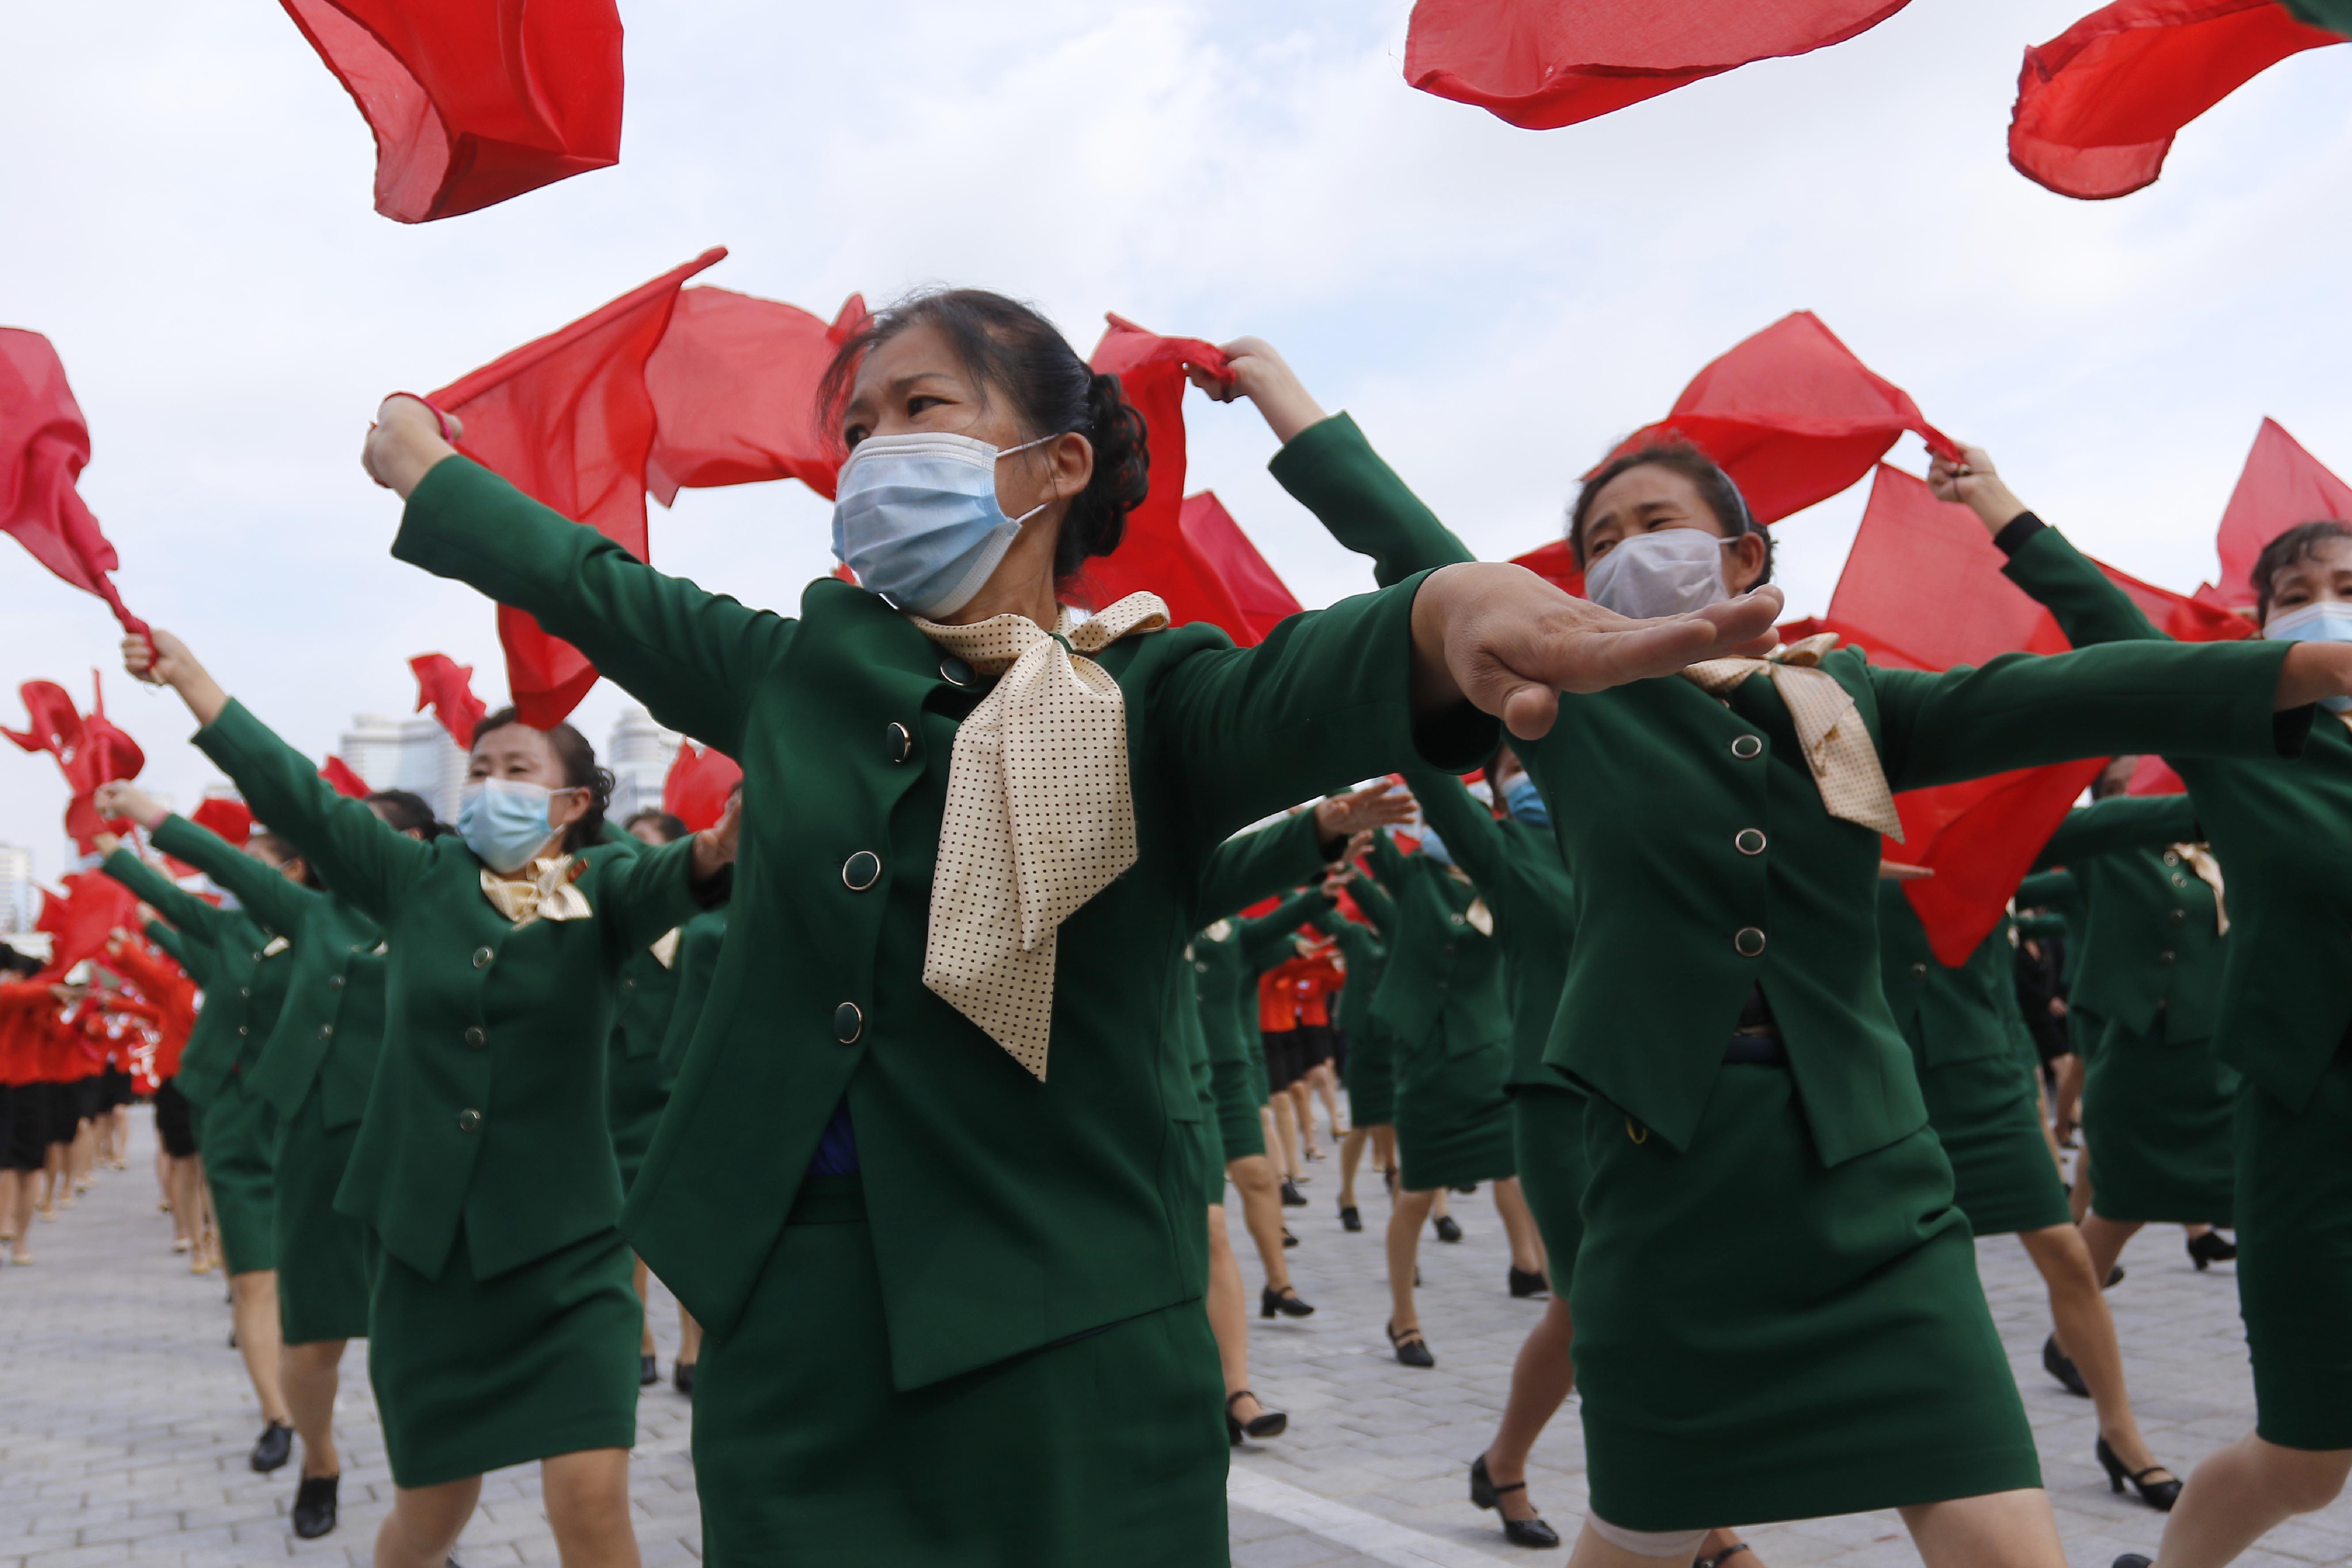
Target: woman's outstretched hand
{"points": [[1502, 639], [1264, 377], [714, 846], [117, 798], [159, 659], [1972, 481], [1378, 803], [406, 441]]}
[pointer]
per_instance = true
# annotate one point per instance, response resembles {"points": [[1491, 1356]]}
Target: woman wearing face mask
{"points": [[501, 1324], [250, 972], [2285, 831], [944, 1287], [1753, 1114], [314, 1072]]}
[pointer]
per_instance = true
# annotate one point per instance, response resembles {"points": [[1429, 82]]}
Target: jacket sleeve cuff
{"points": [[2016, 531]]}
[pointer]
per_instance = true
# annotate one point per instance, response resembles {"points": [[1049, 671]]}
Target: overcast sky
{"points": [[186, 193]]}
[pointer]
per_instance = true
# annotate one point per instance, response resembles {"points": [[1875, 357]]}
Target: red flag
{"points": [[1261, 600], [2282, 485], [2154, 775], [338, 774], [1556, 564], [80, 922], [2098, 106], [447, 688], [1792, 416], [473, 103], [227, 819], [734, 385], [567, 420], [700, 779], [1540, 64], [44, 444], [90, 752], [1923, 589]]}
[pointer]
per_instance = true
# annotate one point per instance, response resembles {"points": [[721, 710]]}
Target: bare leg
{"points": [[81, 1154], [2105, 1238], [1405, 1220], [1519, 1225], [2088, 1333], [2012, 1530], [1302, 1106], [1229, 1317], [1261, 1195], [690, 1337], [1384, 1147], [2239, 1494], [310, 1372], [254, 1311], [53, 1169], [2070, 1095], [424, 1523], [637, 1283], [1326, 1086], [1540, 1380], [587, 1498], [1285, 1134], [1438, 1209], [20, 1215], [2082, 1194], [1351, 1154]]}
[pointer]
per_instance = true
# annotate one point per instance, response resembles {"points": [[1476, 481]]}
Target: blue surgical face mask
{"points": [[506, 822], [1435, 847], [1526, 802], [915, 517], [2321, 621]]}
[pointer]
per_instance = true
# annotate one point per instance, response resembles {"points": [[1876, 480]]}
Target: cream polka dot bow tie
{"points": [[1039, 816], [1837, 744]]}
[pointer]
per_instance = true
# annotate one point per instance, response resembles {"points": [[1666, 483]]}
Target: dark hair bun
{"points": [[1122, 477]]}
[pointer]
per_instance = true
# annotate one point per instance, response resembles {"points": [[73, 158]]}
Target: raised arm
{"points": [[2049, 890], [197, 919], [1467, 828], [652, 891], [188, 953], [2119, 823], [268, 895], [1374, 900], [1359, 944], [1253, 865], [1262, 939]]}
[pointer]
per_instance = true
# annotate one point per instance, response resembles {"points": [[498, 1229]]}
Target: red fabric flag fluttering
{"points": [[447, 688], [1541, 64], [1792, 416], [734, 384], [473, 103], [1923, 589], [568, 420], [344, 780], [2154, 775], [1189, 552], [227, 819], [700, 778], [44, 444], [80, 922], [2281, 486], [1556, 564], [90, 752], [2098, 106]]}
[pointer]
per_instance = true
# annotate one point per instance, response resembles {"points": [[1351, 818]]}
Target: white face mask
{"points": [[2323, 620], [1665, 572], [915, 517], [506, 821]]}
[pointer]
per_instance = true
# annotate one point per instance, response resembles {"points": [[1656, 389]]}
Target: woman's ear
{"points": [[1744, 557], [568, 806]]}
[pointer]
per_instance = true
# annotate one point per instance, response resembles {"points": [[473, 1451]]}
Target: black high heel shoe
{"points": [[275, 1447], [648, 1372], [2133, 1559], [1529, 1282], [1487, 1494], [1265, 1423], [1286, 1301], [1447, 1230], [2158, 1495], [2210, 1248], [2061, 1365], [1411, 1348], [1348, 1219], [314, 1506], [1292, 1198]]}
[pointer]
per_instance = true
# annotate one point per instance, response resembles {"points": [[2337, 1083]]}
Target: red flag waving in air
{"points": [[568, 420], [81, 922], [447, 688], [1922, 588], [2281, 486], [90, 752], [2098, 106], [700, 779], [734, 383], [1792, 416], [1541, 64], [471, 102], [229, 820], [44, 444], [344, 780], [1180, 548]]}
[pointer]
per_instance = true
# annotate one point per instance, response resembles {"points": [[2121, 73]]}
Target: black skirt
{"points": [[174, 1121], [114, 1086], [24, 1136], [1285, 1059]]}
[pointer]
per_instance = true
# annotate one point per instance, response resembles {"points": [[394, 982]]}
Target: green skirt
{"points": [[238, 1137], [1984, 1114], [637, 1092], [2294, 1260], [1212, 1157], [1547, 1140], [1371, 1077], [1452, 1115], [2158, 1117], [1238, 1097], [1109, 1444], [322, 1254], [471, 1376], [1761, 1338]]}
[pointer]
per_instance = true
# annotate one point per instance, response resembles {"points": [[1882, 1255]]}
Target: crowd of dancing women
{"points": [[945, 1201]]}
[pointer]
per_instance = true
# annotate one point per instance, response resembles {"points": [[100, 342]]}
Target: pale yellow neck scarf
{"points": [[1836, 742], [542, 892]]}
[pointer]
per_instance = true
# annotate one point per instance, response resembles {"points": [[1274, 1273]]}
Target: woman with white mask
{"points": [[2284, 830], [501, 1323], [924, 1178]]}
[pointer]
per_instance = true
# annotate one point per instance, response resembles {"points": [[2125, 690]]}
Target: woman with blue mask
{"points": [[924, 1178], [2282, 830], [501, 1324]]}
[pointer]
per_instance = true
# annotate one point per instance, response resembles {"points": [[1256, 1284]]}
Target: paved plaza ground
{"points": [[125, 1419]]}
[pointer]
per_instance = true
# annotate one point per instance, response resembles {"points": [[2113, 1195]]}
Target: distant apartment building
{"points": [[639, 754], [414, 755], [20, 901]]}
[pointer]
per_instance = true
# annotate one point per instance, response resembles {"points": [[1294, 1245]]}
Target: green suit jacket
{"points": [[2282, 828], [486, 1115], [2153, 956], [331, 1026], [1443, 987], [698, 944], [1654, 786], [191, 955], [1365, 956], [244, 988], [1005, 1212], [1946, 1015]]}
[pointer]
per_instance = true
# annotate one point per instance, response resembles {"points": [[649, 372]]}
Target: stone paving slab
{"points": [[125, 1418]]}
